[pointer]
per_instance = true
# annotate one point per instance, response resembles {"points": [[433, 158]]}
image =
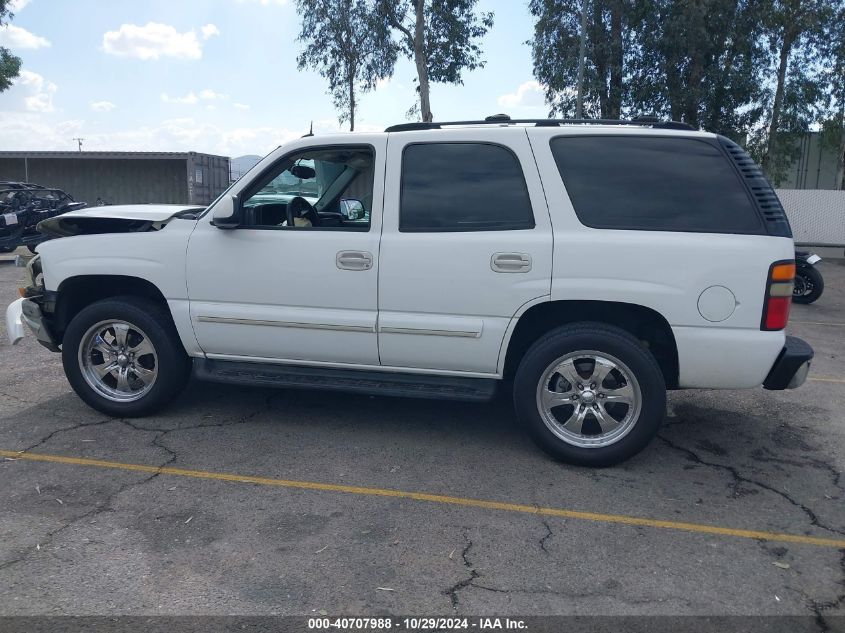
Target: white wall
{"points": [[817, 216]]}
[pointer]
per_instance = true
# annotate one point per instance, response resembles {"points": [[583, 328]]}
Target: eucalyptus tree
{"points": [[10, 65], [349, 46], [833, 76], [795, 31], [442, 37], [685, 59], [556, 51]]}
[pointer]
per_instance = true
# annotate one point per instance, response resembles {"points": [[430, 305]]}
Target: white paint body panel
{"points": [[667, 272], [279, 294], [156, 256], [14, 321], [148, 212], [443, 282]]}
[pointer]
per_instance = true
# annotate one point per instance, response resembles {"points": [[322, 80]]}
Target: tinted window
{"points": [[463, 187], [656, 184]]}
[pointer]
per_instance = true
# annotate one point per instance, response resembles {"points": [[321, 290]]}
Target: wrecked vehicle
{"points": [[445, 261], [22, 206]]}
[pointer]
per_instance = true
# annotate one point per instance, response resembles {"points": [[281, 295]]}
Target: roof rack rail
{"points": [[503, 119]]}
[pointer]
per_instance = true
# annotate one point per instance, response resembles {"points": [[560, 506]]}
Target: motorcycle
{"points": [[809, 283]]}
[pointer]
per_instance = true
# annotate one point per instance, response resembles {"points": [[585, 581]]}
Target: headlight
{"points": [[34, 274]]}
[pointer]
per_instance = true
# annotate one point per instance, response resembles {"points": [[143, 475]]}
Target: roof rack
{"points": [[504, 119]]}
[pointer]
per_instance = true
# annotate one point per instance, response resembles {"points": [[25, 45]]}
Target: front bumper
{"points": [[791, 367], [26, 311]]}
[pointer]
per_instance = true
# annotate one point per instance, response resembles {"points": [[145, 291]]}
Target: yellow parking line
{"points": [[433, 498], [823, 379]]}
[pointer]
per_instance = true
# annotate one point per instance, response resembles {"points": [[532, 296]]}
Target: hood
{"points": [[128, 218]]}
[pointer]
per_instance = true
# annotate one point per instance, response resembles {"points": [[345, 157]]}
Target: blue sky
{"points": [[214, 76]]}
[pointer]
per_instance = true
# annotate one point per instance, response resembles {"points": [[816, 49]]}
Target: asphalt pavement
{"points": [[258, 501]]}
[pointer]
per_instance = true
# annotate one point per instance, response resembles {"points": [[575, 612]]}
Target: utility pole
{"points": [[79, 142], [582, 54]]}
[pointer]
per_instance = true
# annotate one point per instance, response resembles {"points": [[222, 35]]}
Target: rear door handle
{"points": [[510, 262], [354, 260]]}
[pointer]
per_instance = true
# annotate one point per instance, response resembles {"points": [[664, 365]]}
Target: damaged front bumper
{"points": [[27, 312]]}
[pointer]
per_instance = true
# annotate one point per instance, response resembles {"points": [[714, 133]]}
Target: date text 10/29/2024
{"points": [[415, 624]]}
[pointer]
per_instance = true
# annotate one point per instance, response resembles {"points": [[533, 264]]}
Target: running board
{"points": [[374, 383]]}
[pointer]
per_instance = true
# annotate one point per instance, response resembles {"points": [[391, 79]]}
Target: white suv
{"points": [[586, 266]]}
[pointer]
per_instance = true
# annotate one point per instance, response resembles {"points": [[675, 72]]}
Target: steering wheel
{"points": [[299, 207]]}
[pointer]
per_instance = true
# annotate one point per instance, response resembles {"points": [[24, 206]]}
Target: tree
{"points": [[10, 65], [692, 60], [348, 46], [794, 29], [833, 77], [555, 51], [440, 36], [698, 62]]}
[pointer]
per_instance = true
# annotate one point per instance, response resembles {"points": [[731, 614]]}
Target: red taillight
{"points": [[778, 295], [777, 313]]}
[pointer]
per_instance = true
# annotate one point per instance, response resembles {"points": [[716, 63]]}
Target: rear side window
{"points": [[462, 187], [653, 184]]}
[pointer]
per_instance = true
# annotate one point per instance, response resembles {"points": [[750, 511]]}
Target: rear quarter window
{"points": [[654, 184]]}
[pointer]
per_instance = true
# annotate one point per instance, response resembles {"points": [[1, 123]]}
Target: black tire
{"points": [[7, 249], [809, 278], [604, 339], [31, 248], [173, 364]]}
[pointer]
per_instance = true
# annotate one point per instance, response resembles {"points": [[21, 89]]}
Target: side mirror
{"points": [[352, 209], [227, 213]]}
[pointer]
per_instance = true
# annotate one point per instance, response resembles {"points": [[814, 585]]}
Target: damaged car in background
{"points": [[22, 206]]}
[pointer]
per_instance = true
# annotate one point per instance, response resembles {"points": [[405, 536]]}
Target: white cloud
{"points": [[242, 106], [16, 6], [38, 92], [16, 37], [31, 131], [266, 3], [209, 30], [210, 95], [189, 98], [102, 106], [152, 41], [529, 94], [192, 97]]}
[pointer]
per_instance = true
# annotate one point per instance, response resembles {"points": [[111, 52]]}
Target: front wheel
{"points": [[809, 285], [590, 394], [123, 356]]}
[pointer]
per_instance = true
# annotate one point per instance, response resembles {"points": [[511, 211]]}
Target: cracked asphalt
{"points": [[85, 540]]}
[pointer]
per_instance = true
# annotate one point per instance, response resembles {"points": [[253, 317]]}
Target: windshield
{"points": [[307, 177]]}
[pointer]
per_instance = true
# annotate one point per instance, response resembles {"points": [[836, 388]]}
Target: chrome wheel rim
{"points": [[118, 360], [589, 399]]}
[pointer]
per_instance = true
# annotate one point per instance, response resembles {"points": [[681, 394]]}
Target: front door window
{"points": [[320, 188]]}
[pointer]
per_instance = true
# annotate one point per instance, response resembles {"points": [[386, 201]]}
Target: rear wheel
{"points": [[590, 394], [809, 285], [123, 356]]}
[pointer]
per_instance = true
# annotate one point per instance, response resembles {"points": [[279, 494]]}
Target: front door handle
{"points": [[354, 260], [510, 262]]}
